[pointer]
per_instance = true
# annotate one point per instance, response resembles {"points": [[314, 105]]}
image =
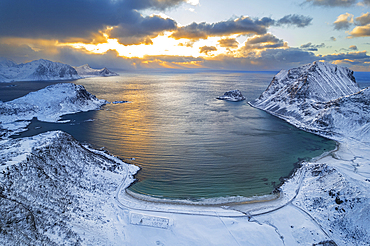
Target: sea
{"points": [[188, 144]]}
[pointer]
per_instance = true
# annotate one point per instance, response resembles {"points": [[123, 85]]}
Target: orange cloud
{"points": [[360, 31]]}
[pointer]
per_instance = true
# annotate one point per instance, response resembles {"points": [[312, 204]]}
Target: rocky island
{"points": [[233, 96]]}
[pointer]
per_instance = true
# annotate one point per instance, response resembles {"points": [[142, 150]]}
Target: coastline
{"points": [[256, 205], [326, 200]]}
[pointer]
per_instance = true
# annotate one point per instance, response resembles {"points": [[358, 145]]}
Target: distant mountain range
{"points": [[42, 70], [86, 71]]}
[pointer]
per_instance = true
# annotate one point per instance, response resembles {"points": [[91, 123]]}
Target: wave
{"points": [[205, 201]]}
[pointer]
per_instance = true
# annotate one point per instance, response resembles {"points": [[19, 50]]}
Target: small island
{"points": [[233, 96]]}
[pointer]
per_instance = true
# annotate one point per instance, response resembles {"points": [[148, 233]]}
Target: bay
{"points": [[188, 144]]}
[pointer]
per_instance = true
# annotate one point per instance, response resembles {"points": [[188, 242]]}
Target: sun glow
{"points": [[163, 45]]}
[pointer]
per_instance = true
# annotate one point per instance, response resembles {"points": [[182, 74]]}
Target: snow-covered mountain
{"points": [[54, 191], [86, 71], [321, 98], [50, 103], [38, 70]]}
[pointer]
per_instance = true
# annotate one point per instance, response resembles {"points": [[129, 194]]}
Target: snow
{"points": [[86, 71], [320, 98], [50, 103], [233, 96], [56, 191], [38, 70]]}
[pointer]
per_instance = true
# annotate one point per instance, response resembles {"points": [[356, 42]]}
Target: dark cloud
{"points": [[290, 56], [270, 59], [154, 4], [267, 38], [68, 55], [54, 19], [355, 56], [333, 39], [242, 25], [228, 43], [143, 30], [312, 47], [332, 3], [294, 20], [267, 41], [363, 20], [357, 60], [207, 49]]}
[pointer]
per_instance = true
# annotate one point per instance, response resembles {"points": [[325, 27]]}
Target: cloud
{"points": [[364, 3], [353, 47], [72, 18], [259, 43], [363, 20], [267, 40], [228, 43], [294, 20], [343, 22], [193, 2], [360, 31], [362, 28], [359, 56], [207, 49], [312, 47], [333, 39], [243, 25], [270, 59], [143, 30], [332, 3], [358, 60]]}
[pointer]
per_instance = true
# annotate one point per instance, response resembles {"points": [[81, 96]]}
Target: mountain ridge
{"points": [[317, 102]]}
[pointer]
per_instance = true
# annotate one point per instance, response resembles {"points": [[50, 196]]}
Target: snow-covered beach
{"points": [[84, 199]]}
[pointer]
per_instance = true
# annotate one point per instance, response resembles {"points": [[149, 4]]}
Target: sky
{"points": [[241, 35]]}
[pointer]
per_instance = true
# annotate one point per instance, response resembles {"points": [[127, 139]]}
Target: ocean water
{"points": [[188, 144]]}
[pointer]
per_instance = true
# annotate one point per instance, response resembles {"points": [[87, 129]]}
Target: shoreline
{"points": [[227, 201], [249, 207]]}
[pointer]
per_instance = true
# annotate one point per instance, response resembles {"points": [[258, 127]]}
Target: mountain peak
{"points": [[318, 81], [321, 98]]}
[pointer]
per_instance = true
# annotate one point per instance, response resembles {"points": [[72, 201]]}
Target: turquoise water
{"points": [[188, 144]]}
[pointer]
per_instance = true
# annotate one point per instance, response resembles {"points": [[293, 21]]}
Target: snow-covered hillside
{"points": [[38, 70], [86, 71], [54, 191], [50, 103], [321, 98], [47, 104]]}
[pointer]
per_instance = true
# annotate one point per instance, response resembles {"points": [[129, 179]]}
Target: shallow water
{"points": [[189, 144]]}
